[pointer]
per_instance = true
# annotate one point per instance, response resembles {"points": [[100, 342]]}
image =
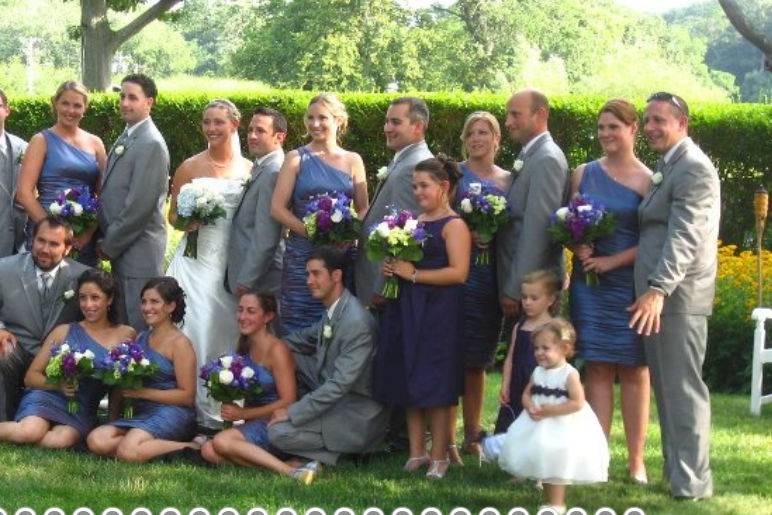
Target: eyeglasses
{"points": [[664, 96]]}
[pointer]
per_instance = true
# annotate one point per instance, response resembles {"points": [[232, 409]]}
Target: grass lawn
{"points": [[741, 459]]}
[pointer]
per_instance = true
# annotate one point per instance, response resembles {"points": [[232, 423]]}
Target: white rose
{"points": [[55, 209], [584, 208], [68, 294], [226, 361], [226, 377], [411, 225], [247, 373], [77, 209], [466, 205], [88, 354], [78, 356], [327, 331], [337, 216], [383, 230], [145, 362], [562, 213], [656, 178], [119, 150], [475, 188], [382, 173], [518, 165], [67, 191], [64, 348]]}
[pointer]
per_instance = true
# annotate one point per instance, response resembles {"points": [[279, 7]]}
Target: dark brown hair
{"points": [[267, 303], [170, 291], [622, 110], [109, 286], [441, 168]]}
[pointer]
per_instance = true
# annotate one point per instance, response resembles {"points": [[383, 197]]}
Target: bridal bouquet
{"points": [[582, 222], [127, 367], [196, 203], [331, 219], [69, 365], [485, 212], [398, 236], [229, 378]]}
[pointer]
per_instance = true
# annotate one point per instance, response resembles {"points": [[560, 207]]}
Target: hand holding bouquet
{"points": [[195, 203], [331, 219], [126, 366], [398, 236], [485, 212], [582, 222], [229, 378], [68, 365], [78, 207]]}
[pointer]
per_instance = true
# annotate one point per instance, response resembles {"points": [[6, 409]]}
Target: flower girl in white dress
{"points": [[557, 439]]}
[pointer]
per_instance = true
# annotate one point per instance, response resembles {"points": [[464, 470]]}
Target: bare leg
{"points": [[232, 445], [210, 455], [600, 392], [140, 446], [60, 437], [104, 440], [415, 431], [555, 494], [635, 414], [29, 430], [474, 393], [438, 426], [453, 454]]}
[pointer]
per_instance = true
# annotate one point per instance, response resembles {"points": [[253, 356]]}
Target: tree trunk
{"points": [[741, 22]]}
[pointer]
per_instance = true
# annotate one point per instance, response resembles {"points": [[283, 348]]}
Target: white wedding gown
{"points": [[210, 316]]}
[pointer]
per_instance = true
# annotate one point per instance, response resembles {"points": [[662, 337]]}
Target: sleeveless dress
{"points": [[419, 358], [65, 166], [210, 311], [599, 313], [482, 312], [256, 431], [523, 364], [297, 308], [564, 449], [52, 405], [163, 421]]}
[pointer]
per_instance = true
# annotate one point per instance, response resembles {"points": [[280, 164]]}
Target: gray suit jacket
{"points": [[20, 301], [134, 189], [538, 190], [396, 191], [351, 421], [254, 250], [13, 218], [678, 223]]}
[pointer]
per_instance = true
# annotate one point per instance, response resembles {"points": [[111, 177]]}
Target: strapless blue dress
{"points": [[297, 308], [599, 313], [256, 431], [163, 421], [66, 166], [52, 404]]}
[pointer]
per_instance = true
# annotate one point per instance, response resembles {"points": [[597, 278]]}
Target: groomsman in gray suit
{"points": [[134, 188], [675, 274], [12, 217], [539, 189], [37, 292], [334, 365], [254, 250], [407, 119]]}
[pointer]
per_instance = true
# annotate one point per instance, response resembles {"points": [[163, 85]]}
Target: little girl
{"points": [[539, 291], [557, 439]]}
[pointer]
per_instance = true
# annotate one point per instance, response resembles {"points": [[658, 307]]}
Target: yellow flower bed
{"points": [[737, 273]]}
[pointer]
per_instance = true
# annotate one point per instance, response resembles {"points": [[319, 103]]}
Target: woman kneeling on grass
{"points": [[272, 361]]}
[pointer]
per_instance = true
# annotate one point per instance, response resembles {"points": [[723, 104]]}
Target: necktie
{"points": [[45, 278], [660, 164]]}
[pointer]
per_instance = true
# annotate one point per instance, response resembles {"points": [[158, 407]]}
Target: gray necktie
{"points": [[660, 164], [45, 293]]}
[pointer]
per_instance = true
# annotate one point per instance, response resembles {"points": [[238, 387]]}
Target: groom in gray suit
{"points": [[539, 189], [407, 119], [134, 188], [334, 364], [675, 274], [12, 217], [37, 292], [254, 250]]}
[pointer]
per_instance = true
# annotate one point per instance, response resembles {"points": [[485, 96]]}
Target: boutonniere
{"points": [[20, 158], [656, 178], [382, 173], [327, 333], [246, 182], [68, 294], [517, 165], [119, 149]]}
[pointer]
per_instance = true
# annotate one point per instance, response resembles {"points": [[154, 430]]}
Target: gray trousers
{"points": [[675, 357], [12, 370], [129, 302]]}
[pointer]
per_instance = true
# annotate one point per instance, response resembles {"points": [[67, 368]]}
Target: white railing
{"points": [[761, 356]]}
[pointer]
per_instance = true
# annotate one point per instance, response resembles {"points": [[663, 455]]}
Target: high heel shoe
{"points": [[639, 478], [454, 456], [437, 469], [413, 464]]}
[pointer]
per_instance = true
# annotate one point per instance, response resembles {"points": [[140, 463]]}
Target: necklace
{"points": [[218, 164]]}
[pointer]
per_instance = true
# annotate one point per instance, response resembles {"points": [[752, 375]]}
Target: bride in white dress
{"points": [[210, 318]]}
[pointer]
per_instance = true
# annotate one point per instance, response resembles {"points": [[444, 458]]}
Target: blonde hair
{"points": [[69, 85], [489, 119], [551, 283], [223, 103], [563, 331], [336, 108]]}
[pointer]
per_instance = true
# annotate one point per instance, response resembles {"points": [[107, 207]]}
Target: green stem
{"points": [[591, 279], [191, 245]]}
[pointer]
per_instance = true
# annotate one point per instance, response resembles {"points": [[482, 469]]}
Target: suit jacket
{"points": [[396, 191], [13, 218], [254, 250], [20, 301], [351, 421], [678, 223], [134, 189], [523, 244]]}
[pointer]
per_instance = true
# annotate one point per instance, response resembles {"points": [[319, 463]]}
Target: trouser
{"points": [[12, 370]]}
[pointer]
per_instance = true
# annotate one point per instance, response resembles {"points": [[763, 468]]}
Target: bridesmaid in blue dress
{"points": [[418, 364], [481, 137], [62, 157], [42, 418], [319, 167], [618, 181], [164, 419], [247, 444]]}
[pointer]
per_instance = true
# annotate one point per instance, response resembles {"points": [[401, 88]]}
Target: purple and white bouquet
{"points": [[485, 212], [69, 364], [126, 366], [196, 203], [331, 219], [582, 222], [229, 378], [398, 236], [78, 207]]}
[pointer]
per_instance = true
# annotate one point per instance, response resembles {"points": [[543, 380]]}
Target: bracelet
{"points": [[415, 272]]}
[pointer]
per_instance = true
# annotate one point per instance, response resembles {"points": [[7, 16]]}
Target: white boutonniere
{"points": [[656, 178], [517, 165], [119, 149], [382, 173], [327, 333], [20, 158], [68, 294]]}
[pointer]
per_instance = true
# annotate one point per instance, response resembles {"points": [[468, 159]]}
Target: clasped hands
{"points": [[398, 267]]}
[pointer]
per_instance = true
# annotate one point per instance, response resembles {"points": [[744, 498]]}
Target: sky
{"points": [[649, 6]]}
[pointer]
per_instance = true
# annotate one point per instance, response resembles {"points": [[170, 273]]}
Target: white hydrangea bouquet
{"points": [[196, 203]]}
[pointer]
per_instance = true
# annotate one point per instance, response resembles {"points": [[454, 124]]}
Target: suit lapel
{"points": [[29, 282], [666, 169], [392, 166], [61, 283], [537, 144], [113, 158], [254, 174], [325, 345]]}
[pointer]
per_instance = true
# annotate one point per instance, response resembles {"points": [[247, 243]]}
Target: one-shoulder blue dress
{"points": [[482, 312], [256, 431], [419, 358], [598, 312], [297, 308], [66, 166], [163, 421], [52, 404]]}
